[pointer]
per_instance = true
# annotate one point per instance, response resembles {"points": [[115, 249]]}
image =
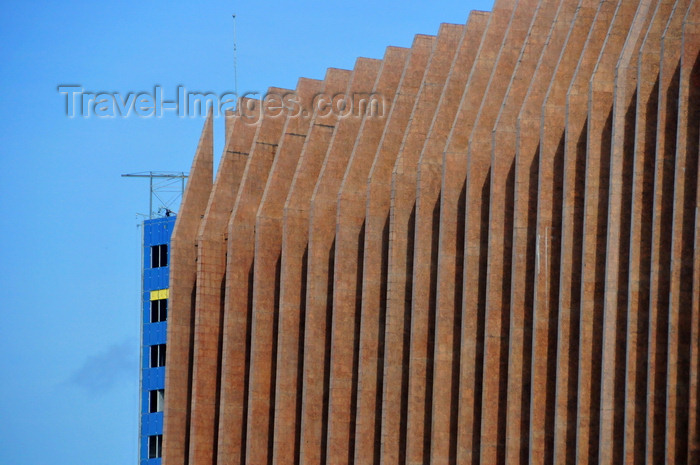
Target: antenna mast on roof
{"points": [[235, 59], [166, 189]]}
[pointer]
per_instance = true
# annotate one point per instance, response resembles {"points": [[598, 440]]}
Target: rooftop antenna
{"points": [[166, 189], [235, 58]]}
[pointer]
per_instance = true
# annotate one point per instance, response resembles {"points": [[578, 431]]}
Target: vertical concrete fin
{"points": [[294, 260], [567, 102], [661, 234], [390, 421], [239, 326], [275, 331], [540, 51], [424, 270], [682, 246], [618, 239], [400, 410], [691, 34], [595, 223], [449, 134], [535, 257], [640, 219], [227, 442], [181, 312], [620, 184], [328, 438], [200, 179], [359, 397], [266, 238], [209, 308], [435, 322], [490, 189]]}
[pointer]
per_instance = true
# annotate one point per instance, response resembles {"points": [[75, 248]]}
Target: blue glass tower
{"points": [[156, 254]]}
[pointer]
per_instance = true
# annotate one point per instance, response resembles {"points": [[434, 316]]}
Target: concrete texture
{"points": [[527, 332], [211, 272], [685, 209], [640, 234], [389, 347], [397, 418], [238, 312], [498, 264], [356, 412], [319, 443], [661, 238], [294, 267], [691, 35], [267, 266], [266, 276]]}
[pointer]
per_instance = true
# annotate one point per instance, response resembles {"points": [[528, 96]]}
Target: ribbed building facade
{"points": [[496, 260]]}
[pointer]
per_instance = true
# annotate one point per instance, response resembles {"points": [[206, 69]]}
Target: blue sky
{"points": [[69, 300]]}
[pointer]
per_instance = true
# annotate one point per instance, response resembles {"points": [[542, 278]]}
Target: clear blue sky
{"points": [[69, 261]]}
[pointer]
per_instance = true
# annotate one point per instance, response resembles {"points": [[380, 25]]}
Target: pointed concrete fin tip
{"points": [[306, 86], [209, 123], [227, 145], [477, 14], [444, 27], [231, 132], [203, 163], [392, 49], [222, 181], [504, 4], [229, 122], [336, 73], [304, 81], [196, 195], [422, 38], [278, 91], [369, 62], [208, 129], [222, 172]]}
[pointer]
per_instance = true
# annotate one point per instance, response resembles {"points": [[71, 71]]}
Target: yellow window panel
{"points": [[160, 294]]}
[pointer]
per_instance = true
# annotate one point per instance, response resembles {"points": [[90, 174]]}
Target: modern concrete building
{"points": [[487, 252]]}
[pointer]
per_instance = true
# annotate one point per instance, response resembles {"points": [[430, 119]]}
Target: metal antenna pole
{"points": [[150, 198], [235, 59]]}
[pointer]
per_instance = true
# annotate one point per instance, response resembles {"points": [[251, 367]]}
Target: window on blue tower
{"points": [[157, 358], [155, 400], [159, 255], [159, 310], [155, 446]]}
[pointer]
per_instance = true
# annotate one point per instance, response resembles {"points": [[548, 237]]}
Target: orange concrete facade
{"points": [[487, 252]]}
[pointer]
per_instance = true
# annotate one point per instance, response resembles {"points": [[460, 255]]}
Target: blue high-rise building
{"points": [[156, 252]]}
